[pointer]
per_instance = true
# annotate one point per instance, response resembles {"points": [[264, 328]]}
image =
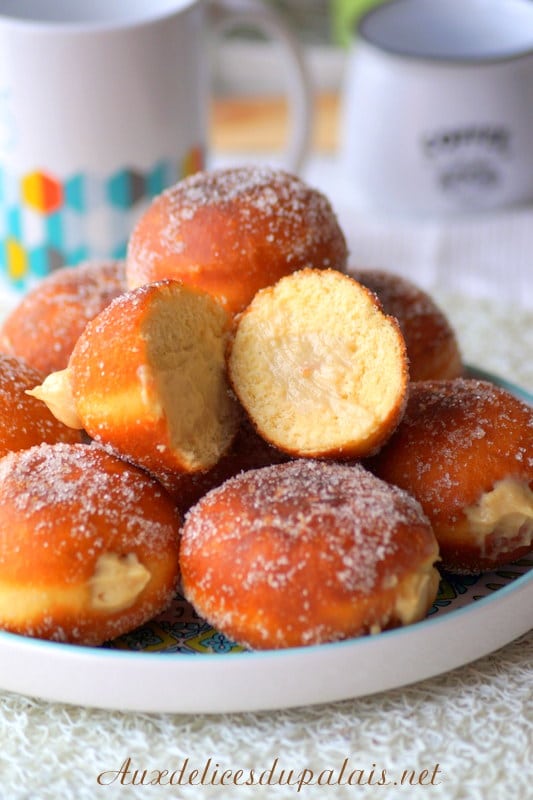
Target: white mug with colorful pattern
{"points": [[102, 105]]}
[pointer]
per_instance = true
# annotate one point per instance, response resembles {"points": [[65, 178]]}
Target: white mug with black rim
{"points": [[437, 114]]}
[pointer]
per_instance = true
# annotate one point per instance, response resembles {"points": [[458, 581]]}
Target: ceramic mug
{"points": [[437, 112], [102, 105]]}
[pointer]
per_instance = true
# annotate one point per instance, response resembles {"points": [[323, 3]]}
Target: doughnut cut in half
{"points": [[318, 366], [148, 378]]}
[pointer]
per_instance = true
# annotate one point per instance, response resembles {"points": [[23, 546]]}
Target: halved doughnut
{"points": [[431, 342], [147, 377], [318, 366]]}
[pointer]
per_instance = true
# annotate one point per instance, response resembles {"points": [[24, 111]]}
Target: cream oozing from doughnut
{"points": [[88, 544], [464, 449], [305, 552]]}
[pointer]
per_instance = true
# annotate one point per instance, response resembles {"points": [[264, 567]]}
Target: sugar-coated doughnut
{"points": [[44, 326], [431, 342], [319, 368], [232, 231], [147, 377], [24, 420], [464, 449], [307, 552], [88, 544]]}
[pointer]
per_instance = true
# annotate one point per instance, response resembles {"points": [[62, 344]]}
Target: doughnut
{"points": [[431, 343], [147, 378], [464, 449], [43, 328], [24, 421], [88, 544], [307, 552], [233, 231], [318, 367]]}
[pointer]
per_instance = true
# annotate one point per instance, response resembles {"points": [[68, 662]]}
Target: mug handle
{"points": [[228, 14]]}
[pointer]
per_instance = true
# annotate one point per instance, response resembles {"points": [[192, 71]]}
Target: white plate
{"points": [[177, 663]]}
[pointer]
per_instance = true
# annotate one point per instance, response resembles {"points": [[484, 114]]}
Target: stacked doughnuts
{"points": [[261, 395]]}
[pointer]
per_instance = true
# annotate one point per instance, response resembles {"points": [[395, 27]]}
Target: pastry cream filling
{"points": [[414, 597], [314, 369], [56, 393], [507, 511], [187, 363], [416, 594], [117, 582]]}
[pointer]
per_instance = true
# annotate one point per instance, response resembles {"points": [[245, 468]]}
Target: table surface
{"points": [[465, 734]]}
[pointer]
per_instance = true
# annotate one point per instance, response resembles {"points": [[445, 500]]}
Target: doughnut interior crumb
{"points": [[186, 360], [318, 366]]}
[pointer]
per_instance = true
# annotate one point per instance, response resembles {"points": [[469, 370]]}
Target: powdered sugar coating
{"points": [[456, 439], [45, 325], [62, 508], [291, 545], [78, 499], [257, 194], [233, 231]]}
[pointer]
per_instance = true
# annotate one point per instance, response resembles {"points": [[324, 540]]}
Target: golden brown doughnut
{"points": [[43, 328], [307, 552], [24, 421], [431, 343], [233, 231], [147, 377], [319, 368], [88, 544], [464, 449]]}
